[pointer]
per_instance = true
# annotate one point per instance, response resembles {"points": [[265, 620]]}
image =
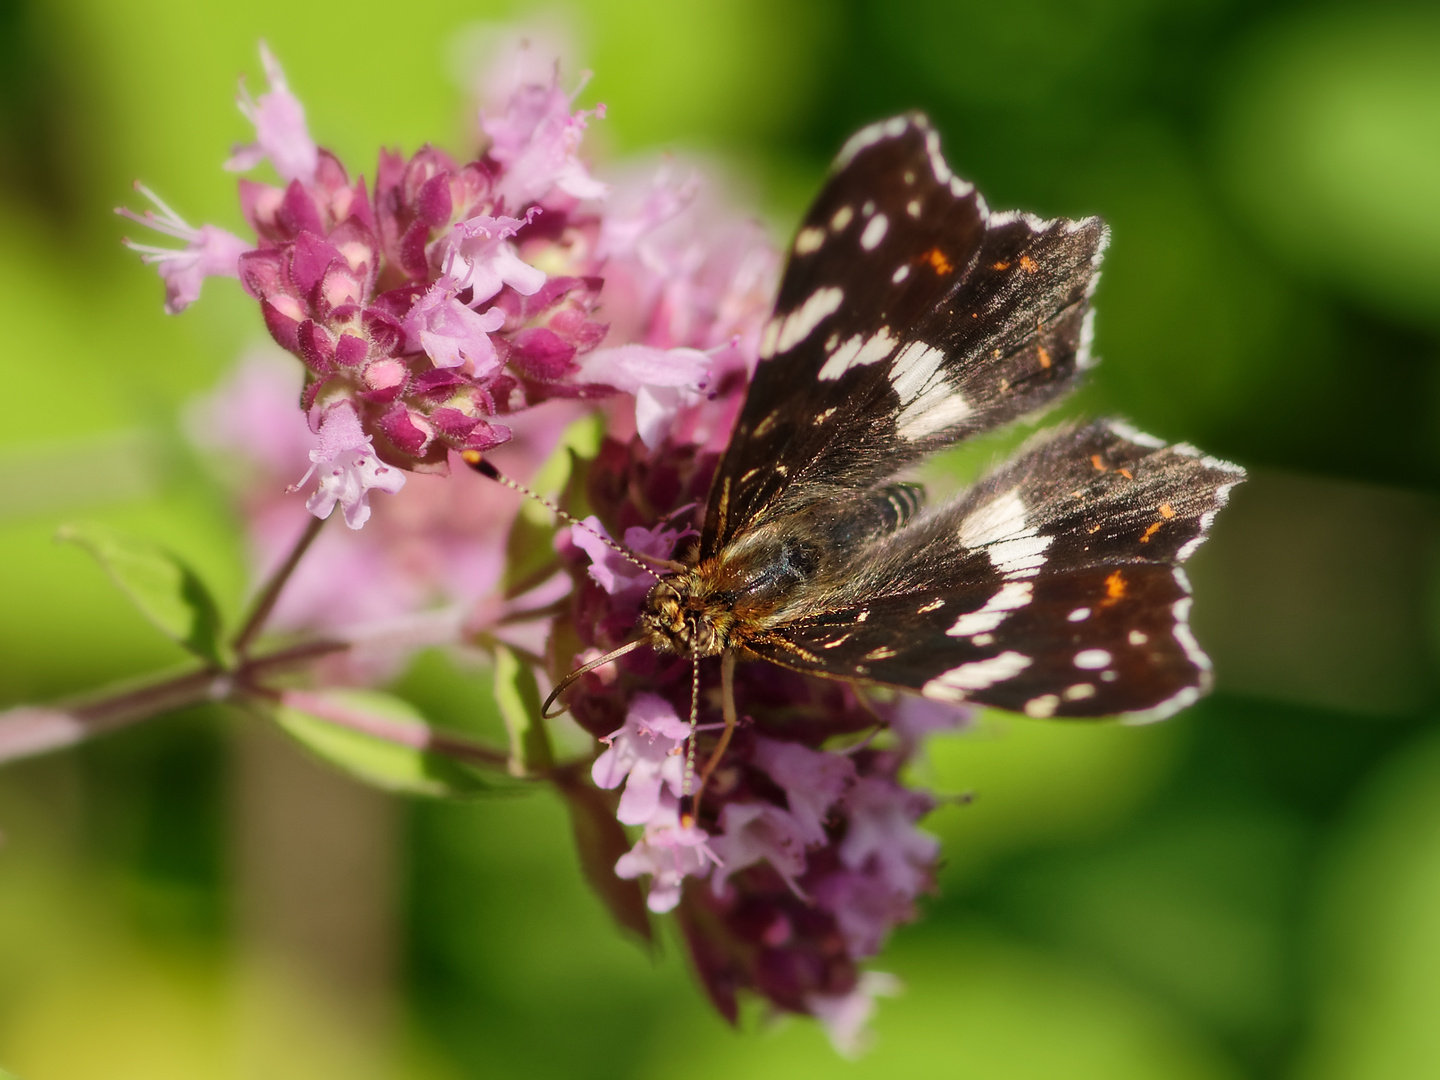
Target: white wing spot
{"points": [[874, 232], [1092, 659], [901, 273], [940, 407], [841, 218], [929, 402], [1013, 596], [937, 162], [1042, 706], [999, 527], [809, 240], [934, 605], [768, 337], [913, 208], [868, 208], [858, 352], [983, 639], [953, 685], [913, 369], [1138, 638], [1080, 614], [1080, 691], [820, 418], [1084, 353], [884, 652], [909, 176], [801, 322]]}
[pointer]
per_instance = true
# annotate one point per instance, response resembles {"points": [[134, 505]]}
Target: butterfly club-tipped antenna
{"points": [[648, 563]]}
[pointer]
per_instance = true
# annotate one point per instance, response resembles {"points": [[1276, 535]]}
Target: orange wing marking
{"points": [[936, 258], [1114, 589]]}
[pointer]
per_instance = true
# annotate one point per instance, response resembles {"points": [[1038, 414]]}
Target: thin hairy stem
{"points": [[270, 593]]}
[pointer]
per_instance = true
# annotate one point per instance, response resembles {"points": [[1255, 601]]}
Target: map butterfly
{"points": [[910, 317]]}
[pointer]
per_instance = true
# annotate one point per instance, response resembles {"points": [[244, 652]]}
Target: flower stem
{"points": [[414, 735], [29, 730], [270, 593]]}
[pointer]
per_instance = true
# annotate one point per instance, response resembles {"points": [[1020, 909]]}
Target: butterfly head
{"points": [[678, 617]]}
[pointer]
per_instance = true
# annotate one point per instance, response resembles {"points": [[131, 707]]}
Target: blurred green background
{"points": [[1251, 889]]}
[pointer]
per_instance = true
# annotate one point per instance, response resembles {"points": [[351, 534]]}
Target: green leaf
{"points": [[165, 589], [600, 840], [377, 738], [518, 696]]}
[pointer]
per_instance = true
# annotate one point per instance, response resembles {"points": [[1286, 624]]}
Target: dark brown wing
{"points": [[1053, 588], [908, 317]]}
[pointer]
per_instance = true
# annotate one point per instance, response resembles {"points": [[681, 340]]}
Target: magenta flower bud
{"points": [[408, 430], [383, 375]]}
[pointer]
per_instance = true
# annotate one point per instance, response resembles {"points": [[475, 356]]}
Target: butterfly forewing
{"points": [[1052, 588], [908, 317]]}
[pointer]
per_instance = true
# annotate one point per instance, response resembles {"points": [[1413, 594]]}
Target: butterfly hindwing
{"points": [[1052, 588], [909, 316]]}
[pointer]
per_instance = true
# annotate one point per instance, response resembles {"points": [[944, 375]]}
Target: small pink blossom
{"points": [[752, 832], [537, 140], [913, 718], [209, 251], [647, 755], [280, 131], [813, 781], [882, 833], [866, 908], [846, 1017], [669, 852], [662, 380], [478, 256], [347, 469], [450, 333], [497, 59], [609, 569]]}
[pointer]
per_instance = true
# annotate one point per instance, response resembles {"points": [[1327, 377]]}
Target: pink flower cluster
{"points": [[803, 857], [478, 307], [457, 294]]}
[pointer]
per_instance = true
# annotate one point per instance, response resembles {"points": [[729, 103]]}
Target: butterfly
{"points": [[910, 317]]}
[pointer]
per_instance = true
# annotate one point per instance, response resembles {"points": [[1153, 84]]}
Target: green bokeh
{"points": [[1245, 891]]}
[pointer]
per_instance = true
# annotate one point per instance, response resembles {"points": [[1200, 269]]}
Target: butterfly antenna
{"points": [[476, 461], [600, 661]]}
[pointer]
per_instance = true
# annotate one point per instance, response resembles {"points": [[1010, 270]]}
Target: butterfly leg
{"points": [[727, 699]]}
